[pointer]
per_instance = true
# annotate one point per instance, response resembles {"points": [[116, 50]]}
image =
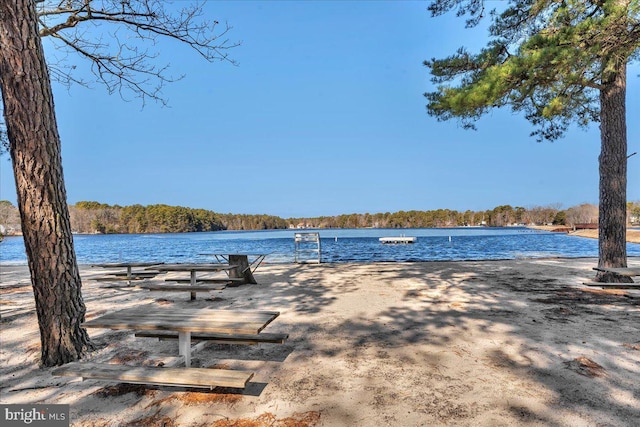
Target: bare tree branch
{"points": [[115, 35], [116, 38]]}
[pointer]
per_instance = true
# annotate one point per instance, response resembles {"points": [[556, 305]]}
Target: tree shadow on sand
{"points": [[563, 353], [553, 336]]}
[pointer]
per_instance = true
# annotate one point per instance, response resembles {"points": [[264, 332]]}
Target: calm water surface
{"points": [[346, 245]]}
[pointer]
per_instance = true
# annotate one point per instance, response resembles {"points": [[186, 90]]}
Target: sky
{"points": [[323, 114]]}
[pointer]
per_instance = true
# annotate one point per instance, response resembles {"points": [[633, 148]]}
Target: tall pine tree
{"points": [[32, 133], [558, 62]]}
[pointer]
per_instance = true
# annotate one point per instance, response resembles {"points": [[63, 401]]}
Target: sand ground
{"points": [[490, 343]]}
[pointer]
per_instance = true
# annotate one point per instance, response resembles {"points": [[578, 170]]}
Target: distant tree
{"points": [[133, 219], [582, 214], [9, 218], [634, 212], [559, 62], [502, 216], [94, 217], [123, 63], [519, 214], [91, 205], [468, 218], [540, 215], [560, 218]]}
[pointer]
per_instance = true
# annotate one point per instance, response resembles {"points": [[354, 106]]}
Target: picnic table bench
{"points": [[124, 276], [220, 338], [607, 285], [223, 280], [213, 283], [195, 285], [621, 271], [181, 377], [128, 275], [198, 287]]}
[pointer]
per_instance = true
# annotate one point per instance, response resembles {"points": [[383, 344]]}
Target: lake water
{"points": [[338, 245]]}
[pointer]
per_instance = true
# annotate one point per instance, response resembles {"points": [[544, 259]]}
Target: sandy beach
{"points": [[488, 343], [633, 235]]}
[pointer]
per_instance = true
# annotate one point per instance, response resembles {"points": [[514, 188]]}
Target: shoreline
{"points": [[432, 246], [633, 236], [447, 343]]}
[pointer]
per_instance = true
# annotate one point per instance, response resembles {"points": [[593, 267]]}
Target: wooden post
{"points": [[184, 347], [243, 271], [193, 283]]}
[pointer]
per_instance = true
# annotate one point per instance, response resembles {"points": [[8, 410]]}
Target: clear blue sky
{"points": [[324, 115]]}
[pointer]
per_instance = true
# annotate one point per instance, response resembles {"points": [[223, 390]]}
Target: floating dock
{"points": [[398, 240]]}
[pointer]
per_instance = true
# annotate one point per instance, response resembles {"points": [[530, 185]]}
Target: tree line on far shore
{"points": [[100, 218], [94, 217]]}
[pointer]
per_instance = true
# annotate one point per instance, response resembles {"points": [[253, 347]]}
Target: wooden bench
{"points": [[622, 271], [219, 338], [227, 280], [143, 275], [118, 278], [604, 285], [189, 288], [180, 377]]}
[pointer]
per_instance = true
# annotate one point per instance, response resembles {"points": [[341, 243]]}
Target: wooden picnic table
{"points": [[229, 325], [128, 274], [245, 266], [185, 321], [193, 270]]}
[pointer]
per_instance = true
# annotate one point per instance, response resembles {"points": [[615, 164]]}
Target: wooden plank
{"points": [[126, 264], [151, 309], [194, 267], [121, 286], [212, 313], [188, 288], [208, 280], [118, 278], [613, 285], [193, 320], [146, 275], [168, 323], [271, 338], [183, 377], [228, 327], [629, 271]]}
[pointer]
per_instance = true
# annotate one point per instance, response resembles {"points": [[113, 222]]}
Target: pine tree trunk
{"points": [[612, 221], [37, 165]]}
